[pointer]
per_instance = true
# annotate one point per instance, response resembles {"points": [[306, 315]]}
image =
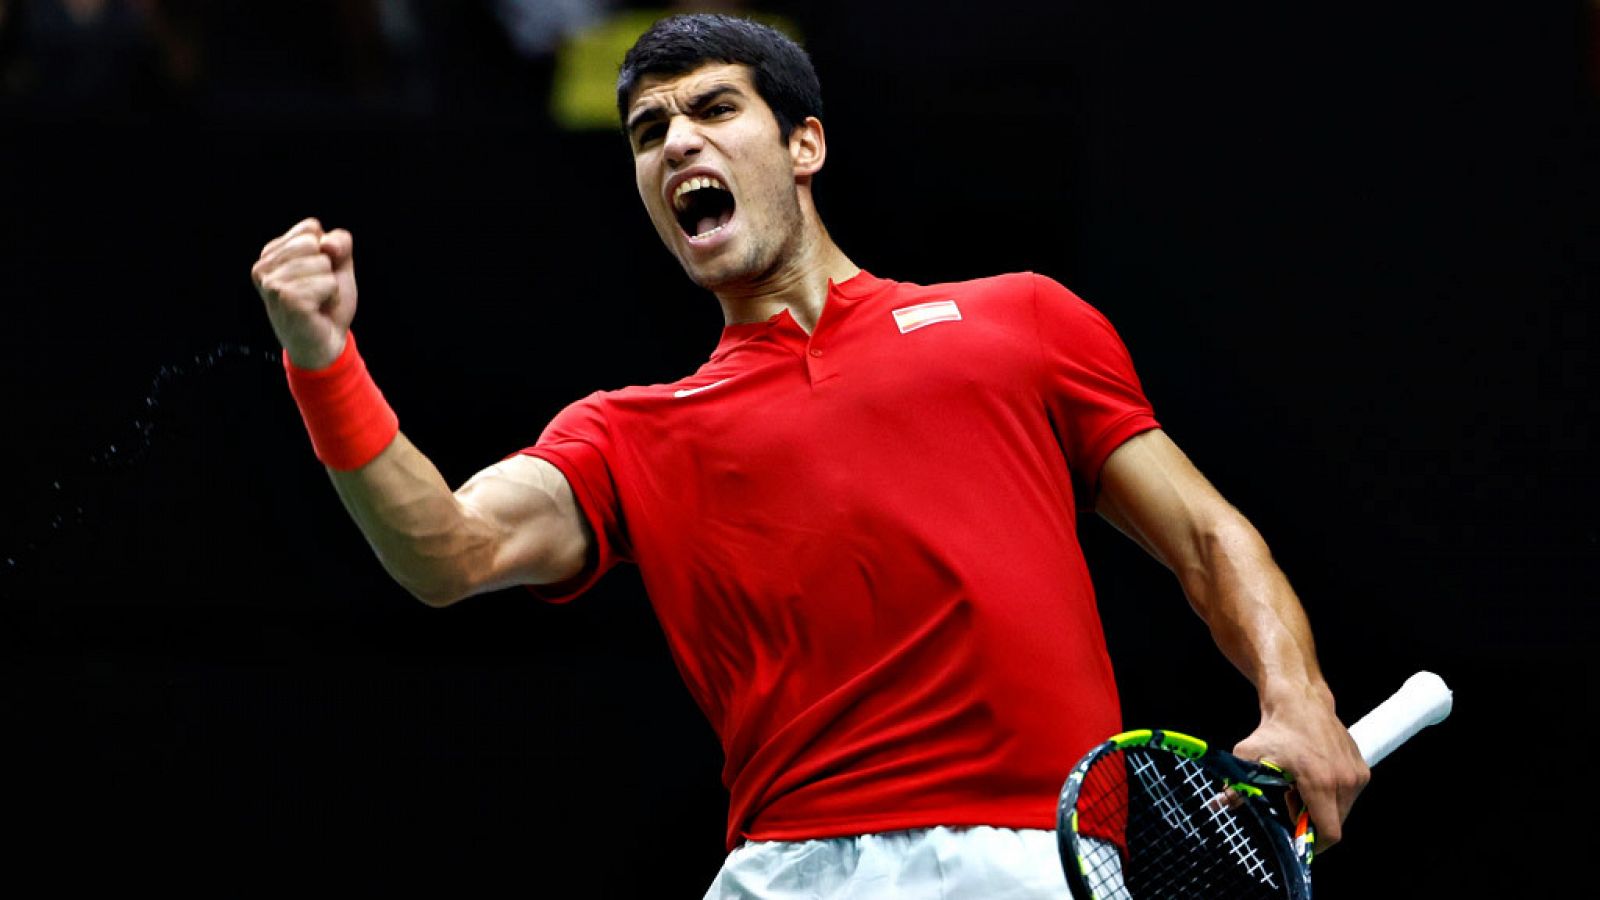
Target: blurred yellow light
{"points": [[584, 94]]}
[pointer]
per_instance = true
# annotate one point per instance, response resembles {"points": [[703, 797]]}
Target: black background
{"points": [[1351, 247]]}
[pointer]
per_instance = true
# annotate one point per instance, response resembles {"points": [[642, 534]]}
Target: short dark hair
{"points": [[783, 74]]}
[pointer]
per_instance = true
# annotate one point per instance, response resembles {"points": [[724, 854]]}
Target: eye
{"points": [[649, 134], [719, 109]]}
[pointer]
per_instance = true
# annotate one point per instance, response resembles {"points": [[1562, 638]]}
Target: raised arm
{"points": [[1152, 492], [515, 522]]}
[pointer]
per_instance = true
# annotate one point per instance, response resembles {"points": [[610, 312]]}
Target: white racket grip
{"points": [[1422, 701]]}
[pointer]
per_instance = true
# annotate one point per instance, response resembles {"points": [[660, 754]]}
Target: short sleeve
{"points": [[1090, 388], [578, 441]]}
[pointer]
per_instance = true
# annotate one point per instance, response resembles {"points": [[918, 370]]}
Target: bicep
{"points": [[1153, 493], [540, 535]]}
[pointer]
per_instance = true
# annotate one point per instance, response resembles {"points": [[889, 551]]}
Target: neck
{"points": [[799, 283]]}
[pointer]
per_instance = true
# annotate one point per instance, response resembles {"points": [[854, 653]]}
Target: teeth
{"points": [[706, 234], [680, 197]]}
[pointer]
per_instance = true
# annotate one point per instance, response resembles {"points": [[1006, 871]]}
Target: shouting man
{"points": [[856, 521]]}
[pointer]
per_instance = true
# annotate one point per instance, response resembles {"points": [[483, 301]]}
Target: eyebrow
{"points": [[656, 111]]}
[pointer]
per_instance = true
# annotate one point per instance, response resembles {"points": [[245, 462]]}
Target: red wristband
{"points": [[349, 421]]}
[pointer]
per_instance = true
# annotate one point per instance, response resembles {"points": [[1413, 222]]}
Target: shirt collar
{"points": [[734, 335], [843, 293], [858, 286]]}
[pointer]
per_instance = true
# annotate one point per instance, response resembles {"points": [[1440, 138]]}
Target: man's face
{"points": [[718, 183]]}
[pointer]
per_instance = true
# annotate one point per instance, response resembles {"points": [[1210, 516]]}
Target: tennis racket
{"points": [[1158, 814]]}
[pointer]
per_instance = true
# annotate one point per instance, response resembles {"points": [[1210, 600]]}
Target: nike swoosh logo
{"points": [[685, 392]]}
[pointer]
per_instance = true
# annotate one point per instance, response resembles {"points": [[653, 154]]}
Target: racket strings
{"points": [[1152, 827], [1202, 787]]}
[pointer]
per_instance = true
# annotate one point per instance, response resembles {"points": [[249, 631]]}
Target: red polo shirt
{"points": [[861, 545]]}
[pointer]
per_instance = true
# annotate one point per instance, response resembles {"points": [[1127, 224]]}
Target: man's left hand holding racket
{"points": [[1301, 734]]}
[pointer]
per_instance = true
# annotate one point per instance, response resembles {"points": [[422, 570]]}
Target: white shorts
{"points": [[976, 863]]}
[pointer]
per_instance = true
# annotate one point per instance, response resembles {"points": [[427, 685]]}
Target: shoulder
{"points": [[582, 419], [989, 288], [607, 411], [995, 299], [1023, 288], [1023, 302], [1026, 297], [1057, 306]]}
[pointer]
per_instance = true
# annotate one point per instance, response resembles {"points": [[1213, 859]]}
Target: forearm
{"points": [[424, 536], [396, 496], [1254, 616], [1260, 625]]}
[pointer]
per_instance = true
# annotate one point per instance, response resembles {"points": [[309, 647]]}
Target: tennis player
{"points": [[856, 521]]}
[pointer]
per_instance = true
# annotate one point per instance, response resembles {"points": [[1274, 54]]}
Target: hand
{"points": [[307, 279], [1305, 738]]}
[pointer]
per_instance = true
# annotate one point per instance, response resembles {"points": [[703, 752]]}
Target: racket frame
{"points": [[1259, 788]]}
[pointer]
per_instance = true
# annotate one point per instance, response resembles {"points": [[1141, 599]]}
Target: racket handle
{"points": [[1422, 701]]}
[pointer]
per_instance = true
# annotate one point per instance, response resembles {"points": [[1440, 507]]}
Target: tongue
{"points": [[706, 224]]}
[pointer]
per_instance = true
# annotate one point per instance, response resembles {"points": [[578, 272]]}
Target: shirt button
{"points": [[815, 352]]}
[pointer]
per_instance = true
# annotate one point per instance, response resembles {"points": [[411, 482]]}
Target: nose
{"points": [[683, 142]]}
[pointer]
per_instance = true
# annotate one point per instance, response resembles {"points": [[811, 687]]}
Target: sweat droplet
{"points": [[119, 457]]}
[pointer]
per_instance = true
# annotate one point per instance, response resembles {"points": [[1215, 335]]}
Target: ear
{"points": [[808, 147]]}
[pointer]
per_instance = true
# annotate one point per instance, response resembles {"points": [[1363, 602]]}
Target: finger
{"points": [[1322, 807], [302, 295], [338, 245], [304, 226], [292, 278], [301, 245], [1226, 799], [1347, 792], [303, 267]]}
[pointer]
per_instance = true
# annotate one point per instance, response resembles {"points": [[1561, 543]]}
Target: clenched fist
{"points": [[307, 278]]}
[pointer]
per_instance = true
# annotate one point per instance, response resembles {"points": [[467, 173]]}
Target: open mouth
{"points": [[702, 205]]}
